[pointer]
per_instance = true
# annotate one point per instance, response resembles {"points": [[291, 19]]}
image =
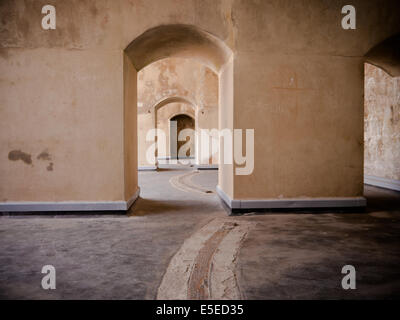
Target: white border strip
{"points": [[132, 199], [69, 205], [147, 168], [347, 202], [382, 182]]}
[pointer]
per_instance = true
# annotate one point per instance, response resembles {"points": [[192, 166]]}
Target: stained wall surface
{"points": [[50, 103], [184, 79], [382, 124], [297, 81]]}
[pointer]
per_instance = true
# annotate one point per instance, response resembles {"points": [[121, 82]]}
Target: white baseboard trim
{"points": [[147, 168], [348, 202], [181, 162], [33, 206], [174, 166], [169, 158], [206, 166], [382, 182], [132, 199], [233, 204]]}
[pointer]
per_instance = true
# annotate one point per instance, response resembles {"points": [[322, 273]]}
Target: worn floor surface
{"points": [[179, 230]]}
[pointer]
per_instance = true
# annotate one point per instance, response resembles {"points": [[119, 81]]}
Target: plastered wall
{"points": [[50, 103], [382, 124], [305, 101], [130, 129], [297, 81]]}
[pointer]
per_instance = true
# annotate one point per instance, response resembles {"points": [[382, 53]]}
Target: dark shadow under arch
{"points": [[178, 40], [386, 55]]}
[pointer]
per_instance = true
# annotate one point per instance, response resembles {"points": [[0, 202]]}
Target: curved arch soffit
{"points": [[386, 55], [178, 40], [163, 102], [174, 99], [182, 113]]}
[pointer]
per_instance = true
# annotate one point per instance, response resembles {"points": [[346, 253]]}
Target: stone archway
{"points": [[177, 124], [184, 41], [164, 111]]}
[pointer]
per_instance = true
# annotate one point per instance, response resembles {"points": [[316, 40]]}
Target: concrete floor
{"points": [[283, 256], [300, 256]]}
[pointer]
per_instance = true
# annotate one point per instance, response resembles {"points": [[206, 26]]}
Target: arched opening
{"points": [[179, 41], [181, 137], [171, 86], [168, 129], [382, 115], [386, 55], [185, 41]]}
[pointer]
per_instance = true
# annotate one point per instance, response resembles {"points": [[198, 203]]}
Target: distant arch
{"points": [[183, 113], [175, 40], [173, 99], [180, 121], [179, 40]]}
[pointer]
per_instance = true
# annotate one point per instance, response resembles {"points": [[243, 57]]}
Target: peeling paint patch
{"points": [[44, 155], [4, 53], [50, 167], [93, 10], [16, 155]]}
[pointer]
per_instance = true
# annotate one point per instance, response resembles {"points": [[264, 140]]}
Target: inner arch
{"points": [[173, 99], [178, 40], [386, 55], [183, 41]]}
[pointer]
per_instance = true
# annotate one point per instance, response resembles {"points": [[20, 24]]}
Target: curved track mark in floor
{"points": [[199, 282], [184, 183]]}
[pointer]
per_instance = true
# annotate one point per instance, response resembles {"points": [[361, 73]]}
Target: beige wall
{"points": [[309, 125], [50, 102], [225, 118], [145, 121], [382, 124], [298, 81], [130, 129]]}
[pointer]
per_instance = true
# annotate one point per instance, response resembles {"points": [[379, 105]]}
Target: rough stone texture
{"points": [[382, 124]]}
